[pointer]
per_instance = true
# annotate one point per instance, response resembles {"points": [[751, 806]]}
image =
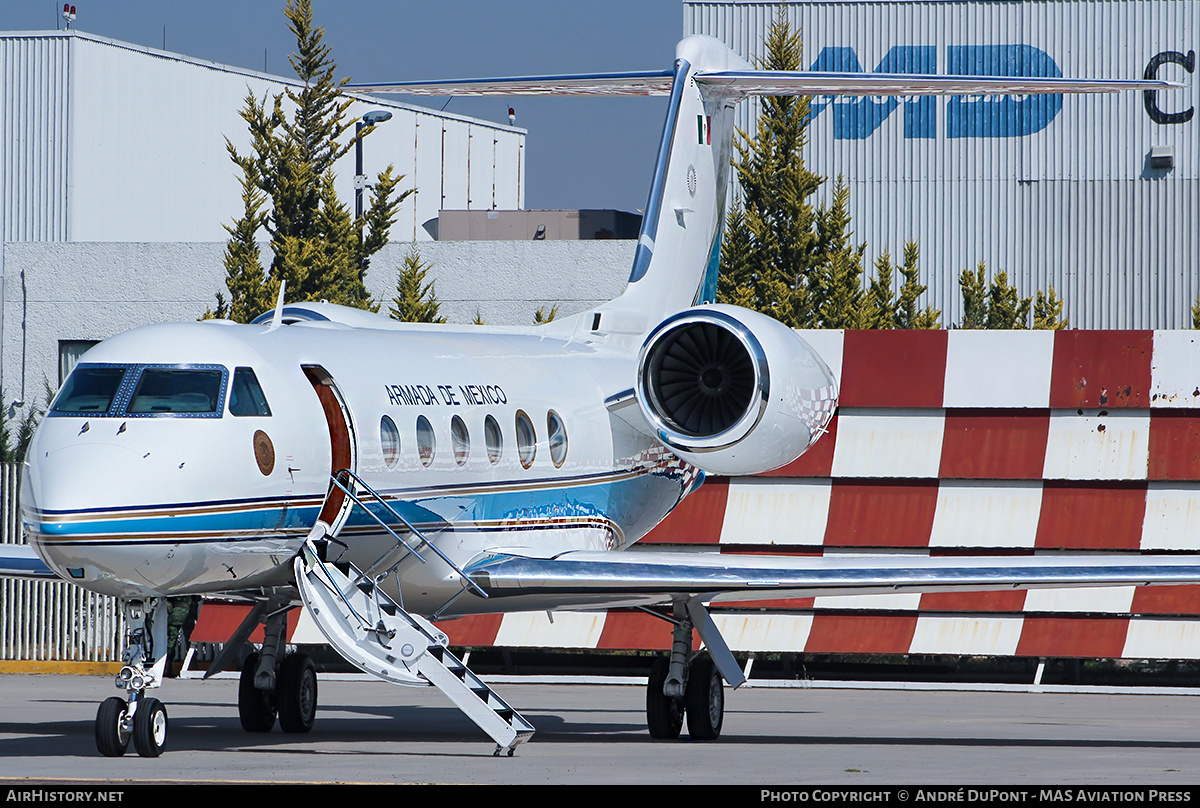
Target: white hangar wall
{"points": [[105, 141], [90, 291], [1059, 192]]}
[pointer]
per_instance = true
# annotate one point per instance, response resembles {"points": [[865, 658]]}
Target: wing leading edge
{"points": [[592, 579], [20, 561]]}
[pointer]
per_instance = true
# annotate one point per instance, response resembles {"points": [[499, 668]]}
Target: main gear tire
{"points": [[296, 693], [704, 700], [256, 708]]}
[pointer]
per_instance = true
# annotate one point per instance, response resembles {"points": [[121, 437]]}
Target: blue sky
{"points": [[582, 153]]}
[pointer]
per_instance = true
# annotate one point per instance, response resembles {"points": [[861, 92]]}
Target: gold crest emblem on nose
{"points": [[264, 452]]}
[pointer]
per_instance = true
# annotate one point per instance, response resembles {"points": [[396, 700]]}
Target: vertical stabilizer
{"points": [[678, 250]]}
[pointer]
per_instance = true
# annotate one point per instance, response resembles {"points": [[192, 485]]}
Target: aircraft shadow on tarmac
{"points": [[377, 730]]}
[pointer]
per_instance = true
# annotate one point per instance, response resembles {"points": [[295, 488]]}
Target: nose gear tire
{"points": [[150, 727], [111, 740]]}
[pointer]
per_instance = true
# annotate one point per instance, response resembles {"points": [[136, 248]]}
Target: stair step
{"points": [[372, 631]]}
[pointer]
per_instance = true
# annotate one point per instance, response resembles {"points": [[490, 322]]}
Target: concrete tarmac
{"points": [[375, 733]]}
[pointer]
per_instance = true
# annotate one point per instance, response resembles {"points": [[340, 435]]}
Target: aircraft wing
{"points": [[20, 561], [598, 579]]}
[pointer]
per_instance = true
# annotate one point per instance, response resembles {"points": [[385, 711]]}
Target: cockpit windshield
{"points": [[140, 391], [89, 390], [177, 390]]}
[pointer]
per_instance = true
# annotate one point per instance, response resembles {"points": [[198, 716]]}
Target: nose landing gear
{"points": [[141, 717]]}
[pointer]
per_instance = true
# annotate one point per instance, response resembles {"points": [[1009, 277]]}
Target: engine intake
{"points": [[733, 391], [704, 376]]}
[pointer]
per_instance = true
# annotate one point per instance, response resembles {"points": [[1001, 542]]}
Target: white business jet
{"points": [[385, 475]]}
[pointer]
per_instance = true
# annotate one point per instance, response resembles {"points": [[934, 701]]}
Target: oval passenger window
{"points": [[493, 438], [526, 439], [426, 443], [557, 437], [460, 439], [389, 440]]}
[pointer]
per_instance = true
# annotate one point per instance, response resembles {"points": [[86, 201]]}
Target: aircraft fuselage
{"points": [[180, 483]]}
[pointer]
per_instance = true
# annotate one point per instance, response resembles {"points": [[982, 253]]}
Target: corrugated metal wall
{"points": [[34, 74], [1071, 205], [106, 141]]}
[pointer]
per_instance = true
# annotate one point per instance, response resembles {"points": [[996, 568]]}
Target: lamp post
{"points": [[373, 117]]}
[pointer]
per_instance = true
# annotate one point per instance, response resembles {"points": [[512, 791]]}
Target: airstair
{"points": [[378, 636]]}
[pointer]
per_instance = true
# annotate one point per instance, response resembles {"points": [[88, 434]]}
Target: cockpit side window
{"points": [[177, 390], [89, 390], [246, 396]]}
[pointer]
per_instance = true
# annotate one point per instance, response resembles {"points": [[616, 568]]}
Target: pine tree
{"points": [[771, 240], [999, 305], [973, 287], [541, 316], [907, 314], [880, 307], [781, 254], [838, 279], [1196, 313], [1047, 312], [416, 301], [287, 189], [1006, 308], [737, 282]]}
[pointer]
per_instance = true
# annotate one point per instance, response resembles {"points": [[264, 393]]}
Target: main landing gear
{"points": [[681, 685], [270, 689], [702, 700], [138, 716]]}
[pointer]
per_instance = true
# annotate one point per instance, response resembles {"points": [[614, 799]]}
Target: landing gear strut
{"points": [[681, 685], [703, 702], [138, 716]]}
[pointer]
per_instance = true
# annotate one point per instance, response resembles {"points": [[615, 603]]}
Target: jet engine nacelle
{"points": [[732, 391]]}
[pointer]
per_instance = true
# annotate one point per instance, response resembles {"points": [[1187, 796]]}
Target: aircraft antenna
{"points": [[277, 320]]}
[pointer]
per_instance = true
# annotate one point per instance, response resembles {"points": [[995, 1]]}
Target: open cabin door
{"points": [[343, 454]]}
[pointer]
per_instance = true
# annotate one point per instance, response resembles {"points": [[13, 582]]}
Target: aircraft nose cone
{"points": [[76, 477]]}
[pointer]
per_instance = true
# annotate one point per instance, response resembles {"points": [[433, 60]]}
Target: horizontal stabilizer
{"points": [[796, 82], [656, 82], [738, 83]]}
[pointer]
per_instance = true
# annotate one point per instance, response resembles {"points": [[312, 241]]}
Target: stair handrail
{"points": [[412, 528], [380, 522]]}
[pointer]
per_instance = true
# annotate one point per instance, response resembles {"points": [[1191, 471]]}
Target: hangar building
{"points": [[1097, 196], [115, 185]]}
